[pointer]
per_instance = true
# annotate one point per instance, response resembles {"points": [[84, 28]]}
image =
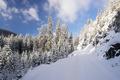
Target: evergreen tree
{"points": [[58, 32], [63, 42], [76, 42], [42, 38], [71, 46], [49, 34]]}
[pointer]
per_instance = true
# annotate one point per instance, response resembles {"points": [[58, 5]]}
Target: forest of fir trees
{"points": [[20, 53]]}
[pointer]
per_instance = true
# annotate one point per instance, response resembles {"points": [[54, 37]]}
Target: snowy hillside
{"points": [[104, 32], [80, 67]]}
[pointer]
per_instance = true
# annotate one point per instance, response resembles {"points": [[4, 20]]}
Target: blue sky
{"points": [[25, 16]]}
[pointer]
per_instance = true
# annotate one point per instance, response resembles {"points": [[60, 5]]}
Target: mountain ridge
{"points": [[6, 32]]}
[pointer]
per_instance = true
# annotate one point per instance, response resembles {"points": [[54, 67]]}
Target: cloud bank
{"points": [[7, 12], [68, 10]]}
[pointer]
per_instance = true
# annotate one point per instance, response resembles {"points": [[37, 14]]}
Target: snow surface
{"points": [[104, 46], [84, 65]]}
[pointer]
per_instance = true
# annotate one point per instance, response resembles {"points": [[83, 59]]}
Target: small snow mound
{"points": [[87, 50]]}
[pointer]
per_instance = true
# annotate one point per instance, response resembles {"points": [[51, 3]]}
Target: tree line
{"points": [[19, 53]]}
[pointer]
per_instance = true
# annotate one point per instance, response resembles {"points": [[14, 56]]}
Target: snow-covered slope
{"points": [[104, 31], [81, 66]]}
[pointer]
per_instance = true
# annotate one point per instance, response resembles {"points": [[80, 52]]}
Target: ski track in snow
{"points": [[79, 67]]}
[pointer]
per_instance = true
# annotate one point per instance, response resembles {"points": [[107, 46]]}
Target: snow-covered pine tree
{"points": [[70, 42], [2, 42], [6, 66], [63, 42], [49, 34], [42, 38], [58, 32], [76, 42], [55, 40]]}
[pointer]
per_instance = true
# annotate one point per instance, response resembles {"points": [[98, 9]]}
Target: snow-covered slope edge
{"points": [[104, 32], [78, 67]]}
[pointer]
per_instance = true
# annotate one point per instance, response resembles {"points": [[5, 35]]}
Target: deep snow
{"points": [[81, 65]]}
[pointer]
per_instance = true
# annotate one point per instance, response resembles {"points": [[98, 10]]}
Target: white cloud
{"points": [[31, 14], [68, 10], [5, 11], [8, 12], [14, 10], [3, 5]]}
